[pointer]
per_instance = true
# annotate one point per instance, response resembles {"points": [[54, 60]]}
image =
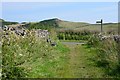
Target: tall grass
{"points": [[30, 56], [107, 55]]}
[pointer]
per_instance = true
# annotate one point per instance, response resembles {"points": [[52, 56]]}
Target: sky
{"points": [[69, 11], [59, 0]]}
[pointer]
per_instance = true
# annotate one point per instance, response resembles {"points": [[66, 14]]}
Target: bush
{"points": [[93, 41], [13, 72], [73, 35], [30, 56], [14, 54], [107, 55]]}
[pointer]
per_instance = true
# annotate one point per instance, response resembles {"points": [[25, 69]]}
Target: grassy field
{"points": [[33, 57], [80, 63], [30, 56], [68, 25], [108, 27], [92, 62], [52, 65], [72, 25]]}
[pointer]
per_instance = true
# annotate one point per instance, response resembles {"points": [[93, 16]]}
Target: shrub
{"points": [[93, 41], [30, 56], [107, 55], [73, 34]]}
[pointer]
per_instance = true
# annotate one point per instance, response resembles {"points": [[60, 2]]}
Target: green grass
{"points": [[62, 48], [51, 65], [84, 60], [72, 25], [81, 63], [106, 55], [95, 27], [34, 56], [40, 60], [73, 41]]}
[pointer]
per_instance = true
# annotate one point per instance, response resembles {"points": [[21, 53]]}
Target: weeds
{"points": [[107, 55], [30, 56]]}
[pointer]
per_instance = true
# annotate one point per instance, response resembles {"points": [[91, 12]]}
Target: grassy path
{"points": [[80, 65]]}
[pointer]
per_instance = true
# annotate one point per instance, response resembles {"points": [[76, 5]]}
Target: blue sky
{"points": [[70, 11]]}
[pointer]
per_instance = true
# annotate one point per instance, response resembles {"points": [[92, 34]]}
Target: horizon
{"points": [[88, 12], [59, 19]]}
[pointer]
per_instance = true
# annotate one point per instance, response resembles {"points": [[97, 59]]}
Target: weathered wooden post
{"points": [[101, 21]]}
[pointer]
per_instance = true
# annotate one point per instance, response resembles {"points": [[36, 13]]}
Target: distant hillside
{"points": [[56, 23], [7, 22], [68, 24], [62, 24]]}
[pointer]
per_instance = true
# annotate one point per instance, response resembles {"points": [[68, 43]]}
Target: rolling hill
{"points": [[57, 23], [7, 22], [62, 24]]}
